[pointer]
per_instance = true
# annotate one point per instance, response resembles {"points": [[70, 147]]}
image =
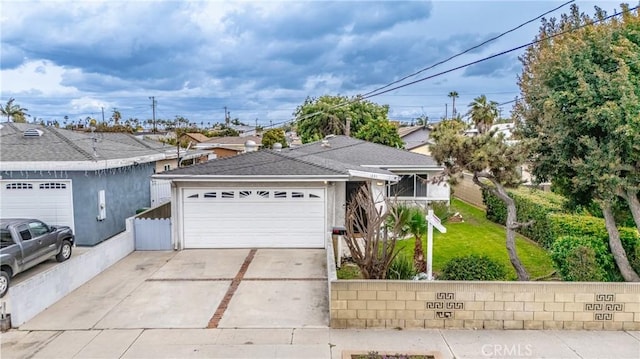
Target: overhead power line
{"points": [[469, 49], [495, 55]]}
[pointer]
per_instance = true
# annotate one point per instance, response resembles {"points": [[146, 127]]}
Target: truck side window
{"points": [[24, 232], [38, 228], [5, 238]]}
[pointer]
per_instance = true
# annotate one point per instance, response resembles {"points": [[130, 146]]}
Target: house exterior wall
{"points": [[159, 167], [423, 150], [126, 190], [224, 152]]}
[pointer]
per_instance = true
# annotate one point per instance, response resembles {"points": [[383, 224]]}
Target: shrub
{"points": [[441, 210], [401, 268], [473, 267], [584, 258], [531, 204]]}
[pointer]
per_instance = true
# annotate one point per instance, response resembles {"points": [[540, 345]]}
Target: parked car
{"points": [[27, 242]]}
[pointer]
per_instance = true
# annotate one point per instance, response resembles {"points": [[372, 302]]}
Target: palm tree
{"points": [[14, 111], [483, 113], [414, 222], [454, 96]]}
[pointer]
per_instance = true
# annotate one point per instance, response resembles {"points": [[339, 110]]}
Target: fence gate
{"points": [[152, 234]]}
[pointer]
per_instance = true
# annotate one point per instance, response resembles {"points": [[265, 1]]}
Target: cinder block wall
{"points": [[485, 305], [468, 191]]}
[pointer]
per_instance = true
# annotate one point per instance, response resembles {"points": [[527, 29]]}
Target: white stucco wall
{"points": [[32, 296]]}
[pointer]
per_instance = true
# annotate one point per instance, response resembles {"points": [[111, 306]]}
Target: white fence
{"points": [[152, 234]]}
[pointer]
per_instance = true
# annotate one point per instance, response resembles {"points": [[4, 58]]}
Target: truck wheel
{"points": [[65, 251], [5, 278]]}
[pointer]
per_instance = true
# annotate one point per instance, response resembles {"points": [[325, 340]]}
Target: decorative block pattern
{"points": [[485, 305]]}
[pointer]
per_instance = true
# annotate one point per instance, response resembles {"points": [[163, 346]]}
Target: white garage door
{"points": [[254, 217], [48, 200]]}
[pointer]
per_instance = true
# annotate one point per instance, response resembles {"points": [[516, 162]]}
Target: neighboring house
{"points": [[416, 138], [89, 181], [193, 137], [292, 197], [230, 145]]}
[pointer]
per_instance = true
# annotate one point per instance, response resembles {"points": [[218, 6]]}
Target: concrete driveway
{"points": [[225, 288]]}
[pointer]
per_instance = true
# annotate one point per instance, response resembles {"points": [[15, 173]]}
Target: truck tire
{"points": [[65, 251], [5, 278]]}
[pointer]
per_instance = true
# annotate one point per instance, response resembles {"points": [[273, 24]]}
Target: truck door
{"points": [[29, 245], [45, 238]]}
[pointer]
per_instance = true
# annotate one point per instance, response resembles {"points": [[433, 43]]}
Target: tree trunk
{"points": [[634, 205], [511, 225], [418, 257], [619, 255]]}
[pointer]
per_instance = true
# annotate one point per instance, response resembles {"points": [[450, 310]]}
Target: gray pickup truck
{"points": [[27, 242]]}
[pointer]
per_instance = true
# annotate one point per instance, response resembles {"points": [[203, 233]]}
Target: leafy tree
{"points": [[493, 164], [580, 104], [483, 113], [453, 95], [380, 131], [325, 115], [272, 136], [15, 111]]}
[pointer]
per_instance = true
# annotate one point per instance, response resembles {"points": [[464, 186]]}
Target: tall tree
{"points": [[580, 103], [14, 111], [116, 116], [326, 115], [483, 113], [453, 95], [494, 165], [273, 136]]}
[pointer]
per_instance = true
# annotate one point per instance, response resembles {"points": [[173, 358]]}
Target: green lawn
{"points": [[481, 236]]}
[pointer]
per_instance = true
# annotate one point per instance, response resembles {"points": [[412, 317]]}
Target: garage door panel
{"points": [[48, 200], [254, 218]]}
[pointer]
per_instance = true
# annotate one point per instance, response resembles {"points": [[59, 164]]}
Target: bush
{"points": [[579, 226], [401, 268], [441, 210], [531, 204], [584, 258], [473, 267]]}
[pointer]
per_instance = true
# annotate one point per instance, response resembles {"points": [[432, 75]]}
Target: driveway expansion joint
{"points": [[224, 304]]}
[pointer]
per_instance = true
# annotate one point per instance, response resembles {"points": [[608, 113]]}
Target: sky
{"points": [[259, 59]]}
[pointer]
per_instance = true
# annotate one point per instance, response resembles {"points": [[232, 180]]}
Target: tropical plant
{"points": [[453, 95], [483, 113], [14, 111]]}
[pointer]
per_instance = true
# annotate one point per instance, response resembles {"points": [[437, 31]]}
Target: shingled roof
{"points": [[56, 145], [350, 150], [339, 156]]}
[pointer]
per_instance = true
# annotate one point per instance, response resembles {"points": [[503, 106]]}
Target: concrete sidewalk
{"points": [[316, 343]]}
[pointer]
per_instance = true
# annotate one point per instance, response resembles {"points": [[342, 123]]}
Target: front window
{"points": [[413, 185]]}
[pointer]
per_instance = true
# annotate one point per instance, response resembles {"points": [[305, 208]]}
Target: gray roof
{"points": [[65, 145], [259, 163], [339, 156], [358, 152]]}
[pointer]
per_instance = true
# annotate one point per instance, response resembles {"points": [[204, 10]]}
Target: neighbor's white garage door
{"points": [[50, 201], [254, 217]]}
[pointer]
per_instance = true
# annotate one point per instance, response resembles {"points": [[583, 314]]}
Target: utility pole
{"points": [[153, 110], [445, 111], [102, 114], [226, 116]]}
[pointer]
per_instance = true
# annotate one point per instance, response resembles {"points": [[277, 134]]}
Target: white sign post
{"points": [[432, 221]]}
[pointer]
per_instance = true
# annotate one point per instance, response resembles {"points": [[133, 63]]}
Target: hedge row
{"points": [[579, 244], [531, 204]]}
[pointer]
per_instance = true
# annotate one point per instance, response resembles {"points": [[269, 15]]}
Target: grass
{"points": [[478, 235]]}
